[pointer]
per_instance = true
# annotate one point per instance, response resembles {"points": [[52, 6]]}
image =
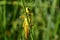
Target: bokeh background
{"points": [[45, 19]]}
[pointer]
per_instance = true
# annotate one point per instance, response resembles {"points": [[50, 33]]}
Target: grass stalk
{"points": [[15, 11], [4, 20], [48, 29], [4, 15], [52, 11], [56, 25]]}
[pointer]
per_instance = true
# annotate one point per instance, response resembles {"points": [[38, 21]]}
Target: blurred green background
{"points": [[45, 19]]}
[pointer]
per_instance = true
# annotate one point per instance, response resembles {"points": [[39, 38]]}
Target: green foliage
{"points": [[45, 19]]}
